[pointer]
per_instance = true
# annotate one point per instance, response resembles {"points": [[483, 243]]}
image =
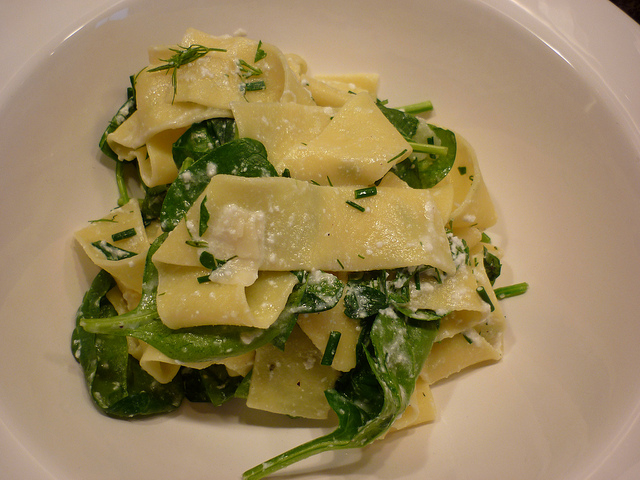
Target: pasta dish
{"points": [[287, 239]]}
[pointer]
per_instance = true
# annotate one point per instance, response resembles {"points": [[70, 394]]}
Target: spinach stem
{"points": [[511, 290], [426, 148], [123, 198], [416, 108]]}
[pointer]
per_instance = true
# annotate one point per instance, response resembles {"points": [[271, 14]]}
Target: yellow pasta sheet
{"points": [[357, 145], [456, 292], [128, 271], [336, 90], [472, 203], [296, 225], [291, 382], [183, 301], [156, 165]]}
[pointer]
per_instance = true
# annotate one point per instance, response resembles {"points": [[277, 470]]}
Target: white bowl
{"points": [[546, 92]]}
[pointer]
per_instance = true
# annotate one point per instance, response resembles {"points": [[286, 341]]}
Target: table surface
{"points": [[631, 7]]}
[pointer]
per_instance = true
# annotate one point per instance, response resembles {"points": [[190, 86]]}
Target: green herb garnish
{"points": [[355, 205], [254, 86], [260, 53], [112, 252], [204, 217], [397, 156], [247, 70], [365, 192], [182, 56], [207, 260], [197, 243], [128, 233], [485, 297], [331, 348]]}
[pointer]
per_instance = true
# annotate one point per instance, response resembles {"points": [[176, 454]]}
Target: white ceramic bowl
{"points": [[545, 90]]}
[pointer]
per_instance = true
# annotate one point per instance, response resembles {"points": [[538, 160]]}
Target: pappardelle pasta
{"points": [[296, 243]]}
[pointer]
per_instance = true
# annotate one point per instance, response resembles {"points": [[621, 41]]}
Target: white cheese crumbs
{"points": [[212, 169]]}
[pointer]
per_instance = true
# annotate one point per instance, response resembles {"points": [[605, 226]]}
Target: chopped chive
{"points": [[469, 341], [340, 263], [331, 348], [485, 297], [462, 170], [128, 233], [426, 148], [438, 275], [397, 156], [105, 220], [313, 182], [511, 290], [286, 173], [329, 181], [204, 279], [365, 192], [416, 279], [355, 205], [204, 217], [416, 108], [485, 238], [112, 252], [254, 86], [197, 243], [361, 256]]}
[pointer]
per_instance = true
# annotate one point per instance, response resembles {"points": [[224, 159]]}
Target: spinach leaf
{"points": [[151, 203], [492, 265], [427, 170], [243, 157], [124, 112], [405, 123], [369, 398], [117, 384], [365, 297], [201, 138], [421, 170], [369, 292], [322, 291], [106, 385], [145, 395], [212, 384]]}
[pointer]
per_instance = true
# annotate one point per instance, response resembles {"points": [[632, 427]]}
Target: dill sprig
{"points": [[182, 56]]}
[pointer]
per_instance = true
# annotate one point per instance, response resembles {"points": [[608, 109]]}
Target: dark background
{"points": [[631, 7]]}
